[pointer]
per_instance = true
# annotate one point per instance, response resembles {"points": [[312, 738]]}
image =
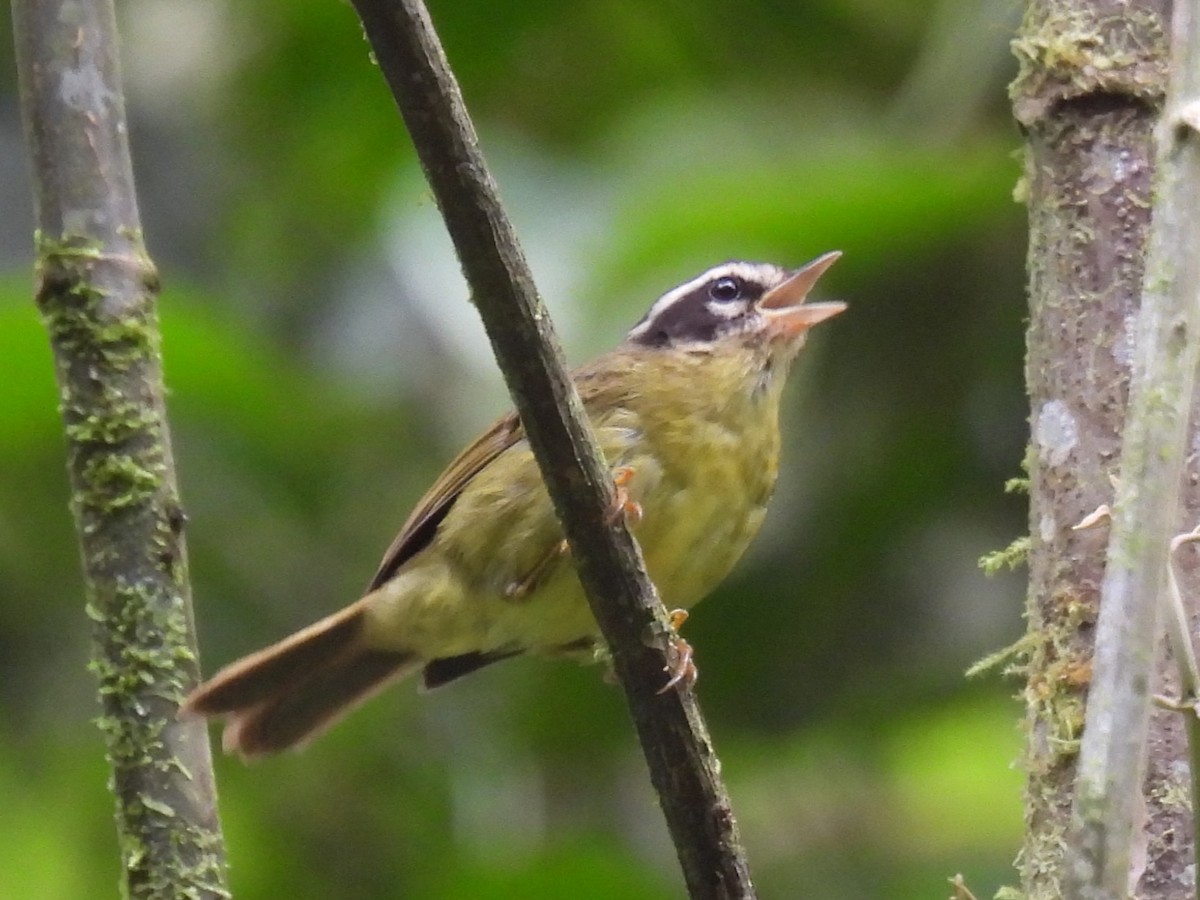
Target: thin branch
{"points": [[683, 766], [1179, 638], [96, 290], [1112, 758], [1088, 93], [1179, 633]]}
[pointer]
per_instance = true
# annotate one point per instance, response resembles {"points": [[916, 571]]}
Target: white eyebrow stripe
{"points": [[725, 310], [762, 273]]}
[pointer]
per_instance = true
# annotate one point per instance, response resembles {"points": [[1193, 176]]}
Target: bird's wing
{"points": [[595, 390], [423, 521]]}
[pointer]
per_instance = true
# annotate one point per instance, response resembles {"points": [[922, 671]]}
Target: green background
{"points": [[324, 363]]}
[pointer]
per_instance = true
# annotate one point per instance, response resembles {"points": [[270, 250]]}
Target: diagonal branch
{"points": [[96, 290], [683, 766]]}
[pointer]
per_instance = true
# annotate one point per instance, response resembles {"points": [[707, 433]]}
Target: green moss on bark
{"points": [[98, 308], [1090, 80]]}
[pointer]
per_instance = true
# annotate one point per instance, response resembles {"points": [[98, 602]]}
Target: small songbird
{"points": [[686, 411]]}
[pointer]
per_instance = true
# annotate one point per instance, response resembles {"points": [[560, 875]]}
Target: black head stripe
{"points": [[703, 309], [689, 319]]}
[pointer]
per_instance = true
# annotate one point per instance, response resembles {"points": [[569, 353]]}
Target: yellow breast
{"points": [[717, 444], [702, 439]]}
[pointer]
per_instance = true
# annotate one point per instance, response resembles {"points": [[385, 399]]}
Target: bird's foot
{"points": [[624, 506], [681, 663]]}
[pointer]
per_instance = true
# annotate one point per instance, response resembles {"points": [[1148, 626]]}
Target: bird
{"points": [[686, 412]]}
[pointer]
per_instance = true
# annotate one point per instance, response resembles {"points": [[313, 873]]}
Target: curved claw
{"points": [[624, 506], [681, 663]]}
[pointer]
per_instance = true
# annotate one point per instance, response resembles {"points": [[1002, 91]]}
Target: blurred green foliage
{"points": [[323, 365]]}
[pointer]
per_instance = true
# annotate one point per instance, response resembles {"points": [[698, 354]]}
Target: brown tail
{"points": [[291, 691]]}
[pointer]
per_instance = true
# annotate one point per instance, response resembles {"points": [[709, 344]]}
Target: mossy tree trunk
{"points": [[1091, 86], [96, 290]]}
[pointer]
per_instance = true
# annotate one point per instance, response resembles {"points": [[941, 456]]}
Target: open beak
{"points": [[787, 315]]}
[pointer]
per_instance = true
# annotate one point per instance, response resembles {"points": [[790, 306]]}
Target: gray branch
{"points": [[1108, 793], [96, 291], [1087, 95], [683, 765]]}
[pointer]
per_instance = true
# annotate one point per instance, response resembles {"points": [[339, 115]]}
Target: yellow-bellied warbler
{"points": [[686, 411]]}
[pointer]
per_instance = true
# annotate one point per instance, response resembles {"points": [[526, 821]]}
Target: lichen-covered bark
{"points": [[96, 290], [1170, 401], [1090, 87]]}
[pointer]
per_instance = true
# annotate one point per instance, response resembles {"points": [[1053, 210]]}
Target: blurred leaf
{"points": [[588, 870], [877, 205], [72, 853]]}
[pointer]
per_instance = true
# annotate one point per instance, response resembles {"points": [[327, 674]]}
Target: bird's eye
{"points": [[725, 290]]}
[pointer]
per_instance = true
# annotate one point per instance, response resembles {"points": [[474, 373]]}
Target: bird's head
{"points": [[741, 303]]}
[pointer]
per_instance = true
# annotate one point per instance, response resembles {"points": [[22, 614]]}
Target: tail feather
{"points": [[295, 716], [289, 692]]}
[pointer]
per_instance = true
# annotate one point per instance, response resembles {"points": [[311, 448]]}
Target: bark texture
{"points": [[1172, 290], [96, 291], [1090, 89]]}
